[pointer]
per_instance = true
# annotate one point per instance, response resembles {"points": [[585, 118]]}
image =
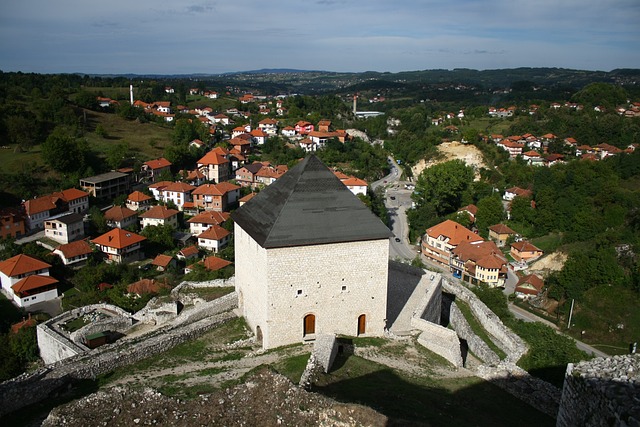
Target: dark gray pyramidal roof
{"points": [[308, 206]]}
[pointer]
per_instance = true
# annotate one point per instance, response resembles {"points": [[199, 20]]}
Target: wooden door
{"points": [[362, 323], [309, 324]]}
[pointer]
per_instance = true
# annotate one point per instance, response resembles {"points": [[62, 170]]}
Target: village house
{"points": [[202, 221], [120, 246], [153, 169], [194, 177], [39, 209], [529, 286], [121, 217], [245, 175], [26, 280], [441, 239], [500, 233], [108, 185], [513, 192], [187, 253], [157, 188], [163, 262], [355, 185], [288, 131], [214, 238], [211, 263], [64, 228], [145, 287], [309, 214], [74, 253], [138, 201], [269, 126], [215, 165], [471, 211], [303, 127], [246, 198], [12, 224], [159, 215], [269, 174], [177, 192], [258, 136], [217, 197], [525, 251], [479, 262]]}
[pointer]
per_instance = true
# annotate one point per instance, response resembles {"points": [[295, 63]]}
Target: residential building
{"points": [[138, 201], [500, 233], [120, 246], [513, 192], [163, 262], [211, 263], [529, 286], [188, 253], [215, 165], [159, 215], [26, 281], [152, 169], [178, 192], [202, 221], [146, 286], [217, 197], [525, 251], [37, 210], [157, 189], [303, 127], [214, 238], [107, 185], [479, 262], [121, 217], [64, 228], [77, 200], [441, 239], [74, 253], [311, 259], [12, 223]]}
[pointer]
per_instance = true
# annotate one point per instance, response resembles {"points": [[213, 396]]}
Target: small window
{"points": [[344, 288], [299, 292]]}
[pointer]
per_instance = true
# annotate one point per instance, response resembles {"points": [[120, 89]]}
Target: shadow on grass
{"points": [[450, 402]]}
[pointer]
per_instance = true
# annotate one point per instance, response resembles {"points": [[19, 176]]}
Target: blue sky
{"points": [[202, 36]]}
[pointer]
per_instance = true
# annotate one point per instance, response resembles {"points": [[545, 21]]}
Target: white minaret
{"points": [[131, 94], [355, 97]]}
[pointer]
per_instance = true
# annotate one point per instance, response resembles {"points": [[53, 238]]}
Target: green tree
{"points": [[117, 154], [63, 152], [159, 238], [490, 212], [444, 186]]}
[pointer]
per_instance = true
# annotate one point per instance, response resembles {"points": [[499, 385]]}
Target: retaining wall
{"points": [[476, 344], [320, 360], [439, 339]]}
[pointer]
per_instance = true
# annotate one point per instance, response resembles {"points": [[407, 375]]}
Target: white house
{"points": [[74, 252], [214, 238], [201, 222], [178, 192], [311, 259], [26, 281], [64, 228], [121, 217], [159, 215]]}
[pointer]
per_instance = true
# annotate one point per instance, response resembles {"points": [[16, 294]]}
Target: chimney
{"points": [[110, 238]]}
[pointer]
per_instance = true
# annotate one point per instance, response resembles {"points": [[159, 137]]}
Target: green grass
{"points": [[209, 294], [599, 315], [548, 243], [15, 162], [450, 401], [292, 367], [477, 328], [75, 324]]}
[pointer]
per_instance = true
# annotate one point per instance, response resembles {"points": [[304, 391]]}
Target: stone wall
{"points": [[502, 336], [54, 346], [439, 339], [476, 344], [602, 391], [87, 364], [320, 360]]}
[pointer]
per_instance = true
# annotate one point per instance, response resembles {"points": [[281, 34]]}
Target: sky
{"points": [[211, 36]]}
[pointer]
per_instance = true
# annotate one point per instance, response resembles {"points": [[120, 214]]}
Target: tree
{"points": [[117, 154], [444, 186], [63, 152], [159, 238], [490, 212]]}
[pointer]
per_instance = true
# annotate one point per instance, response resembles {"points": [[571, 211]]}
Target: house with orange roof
{"points": [[159, 215], [152, 169], [246, 198], [146, 287], [163, 262], [239, 130], [120, 246], [197, 143], [77, 200], [303, 127], [212, 263], [525, 251], [355, 185], [138, 201], [216, 197], [157, 188], [267, 175], [37, 210], [179, 193], [194, 177], [513, 192], [25, 280], [533, 158], [121, 217], [514, 148], [269, 126], [74, 253], [441, 239], [202, 221], [64, 228], [214, 238], [241, 145], [12, 223], [245, 176], [258, 136], [471, 210], [554, 159], [188, 253], [479, 262], [499, 233], [221, 118], [529, 286], [288, 131], [215, 165]]}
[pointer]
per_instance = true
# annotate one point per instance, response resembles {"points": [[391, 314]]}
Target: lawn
{"points": [[609, 317], [548, 243]]}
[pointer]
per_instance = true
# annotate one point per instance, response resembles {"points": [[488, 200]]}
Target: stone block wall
{"points": [[476, 344], [325, 349], [602, 391], [439, 339], [502, 336], [54, 347]]}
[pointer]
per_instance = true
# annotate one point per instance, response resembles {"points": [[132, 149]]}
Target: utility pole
{"points": [[570, 314]]}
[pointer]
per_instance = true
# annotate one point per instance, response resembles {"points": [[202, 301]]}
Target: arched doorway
{"points": [[309, 325], [362, 324]]}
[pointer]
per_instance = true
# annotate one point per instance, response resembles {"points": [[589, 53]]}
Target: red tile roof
{"points": [[21, 264], [138, 196], [210, 217], [179, 187], [73, 249], [119, 239], [32, 282], [530, 284], [454, 231], [162, 260], [189, 251], [37, 205], [158, 163], [119, 213], [501, 229], [215, 232], [525, 246], [146, 286], [159, 212], [213, 158], [214, 263]]}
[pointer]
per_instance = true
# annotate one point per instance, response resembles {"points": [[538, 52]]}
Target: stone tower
{"points": [[311, 259]]}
